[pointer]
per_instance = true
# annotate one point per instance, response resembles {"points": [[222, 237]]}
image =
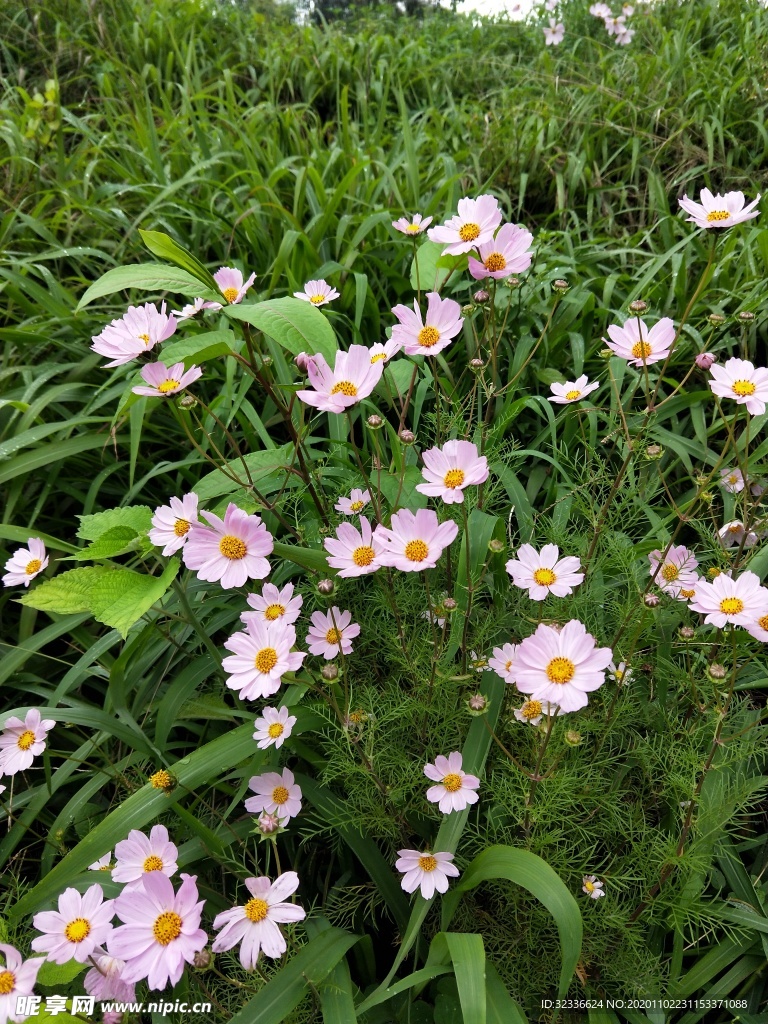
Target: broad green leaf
{"points": [[308, 558], [137, 517], [260, 465], [115, 541], [154, 277], [21, 535], [51, 974], [501, 1008], [406, 496], [41, 459], [430, 270], [198, 348], [294, 324], [65, 593], [468, 958], [163, 246], [120, 597]]}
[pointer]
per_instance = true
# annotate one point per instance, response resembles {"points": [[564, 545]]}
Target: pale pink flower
{"points": [[431, 335], [554, 35], [25, 563], [507, 253], [384, 352], [136, 332], [102, 864], [161, 930], [255, 925], [501, 661], [355, 503], [260, 658], [625, 36], [353, 378], [600, 10], [354, 552], [544, 573], [17, 979], [732, 480], [193, 308], [475, 223], [639, 345], [275, 793], [229, 551], [620, 674], [615, 24], [725, 600], [139, 856], [274, 727], [455, 790], [21, 741], [592, 886], [426, 871], [719, 211], [415, 540], [105, 980], [232, 285], [758, 628], [414, 226], [572, 390], [171, 523], [677, 572], [81, 923], [743, 381], [166, 380], [532, 711], [318, 293], [331, 632], [560, 666], [448, 470], [732, 534], [433, 616], [273, 604]]}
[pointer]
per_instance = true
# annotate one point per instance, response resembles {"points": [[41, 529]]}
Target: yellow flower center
{"points": [[77, 930], [560, 670], [181, 527], [428, 862], [469, 232], [333, 636], [355, 506], [274, 611], [276, 730], [731, 605], [687, 594], [733, 479], [589, 886], [161, 780], [144, 338], [428, 336], [763, 623], [363, 555], [508, 665], [167, 927], [232, 547], [735, 528], [230, 294], [454, 478], [452, 782], [413, 229], [715, 215], [345, 387], [531, 709], [256, 910], [317, 299], [378, 357], [544, 577], [25, 741], [572, 395], [33, 566], [279, 795], [670, 571], [416, 550], [153, 863], [743, 388], [7, 982], [167, 386], [641, 350], [494, 262], [265, 659]]}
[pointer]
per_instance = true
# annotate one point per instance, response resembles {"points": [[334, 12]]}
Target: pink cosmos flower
{"points": [[507, 253], [171, 523], [532, 711], [318, 293], [136, 332], [593, 887], [553, 35], [426, 871], [731, 535], [560, 666], [429, 336], [261, 657], [355, 503], [571, 391], [105, 980], [719, 211], [454, 790], [474, 224], [229, 551], [743, 381], [275, 793], [620, 674], [21, 741], [164, 380], [102, 864], [625, 36], [17, 979], [544, 573], [758, 628], [354, 552], [600, 10], [614, 25], [273, 604], [448, 470], [732, 480], [677, 572], [256, 924], [725, 600], [353, 378], [231, 284], [415, 540], [273, 728], [640, 346], [139, 856], [501, 661], [193, 308], [414, 226], [72, 932], [25, 563], [331, 632], [161, 930], [383, 353]]}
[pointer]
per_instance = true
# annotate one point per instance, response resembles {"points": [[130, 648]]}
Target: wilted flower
{"points": [[166, 380], [193, 308], [571, 391], [741, 380], [719, 211], [318, 293], [448, 470], [619, 673], [532, 711], [733, 534], [678, 570], [432, 334], [426, 871], [414, 226], [255, 925], [25, 563], [475, 223]]}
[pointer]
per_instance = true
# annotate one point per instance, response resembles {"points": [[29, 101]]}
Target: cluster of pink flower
{"points": [[616, 25]]}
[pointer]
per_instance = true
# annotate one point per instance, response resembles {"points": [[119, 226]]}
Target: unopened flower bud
{"points": [[326, 587], [560, 286], [407, 436], [187, 401], [268, 824], [477, 704], [716, 319], [707, 497], [469, 308], [654, 451], [651, 600], [330, 672], [481, 295], [449, 605], [476, 364], [266, 360], [573, 738], [713, 572], [302, 361], [512, 282], [606, 353], [496, 546], [716, 672], [687, 633], [745, 316], [705, 359], [638, 306], [203, 960], [355, 721], [646, 667], [375, 422]]}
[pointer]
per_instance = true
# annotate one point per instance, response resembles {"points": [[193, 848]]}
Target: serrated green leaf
{"points": [[115, 541], [163, 246], [154, 277], [119, 597], [51, 974], [136, 517], [66, 593], [294, 324]]}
